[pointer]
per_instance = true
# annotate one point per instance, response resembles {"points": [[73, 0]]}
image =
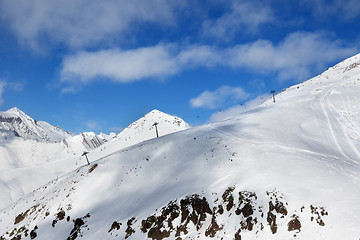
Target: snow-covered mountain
{"points": [[15, 123], [283, 170], [144, 129], [19, 124], [145, 126], [28, 164]]}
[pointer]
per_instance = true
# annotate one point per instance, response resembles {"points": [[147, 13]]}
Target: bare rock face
{"points": [[317, 214], [294, 224], [78, 224], [276, 207], [193, 213], [129, 230], [192, 210]]}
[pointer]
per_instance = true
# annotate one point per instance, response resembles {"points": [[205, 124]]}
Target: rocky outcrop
{"points": [[193, 213]]}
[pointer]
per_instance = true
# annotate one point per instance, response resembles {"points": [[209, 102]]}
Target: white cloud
{"points": [[295, 58], [2, 89], [118, 65], [237, 110], [242, 16], [199, 55], [79, 23], [214, 99]]}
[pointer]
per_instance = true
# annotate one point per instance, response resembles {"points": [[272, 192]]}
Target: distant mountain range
{"points": [[14, 122]]}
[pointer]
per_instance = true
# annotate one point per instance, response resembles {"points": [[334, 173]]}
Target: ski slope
{"points": [[27, 164], [283, 170]]}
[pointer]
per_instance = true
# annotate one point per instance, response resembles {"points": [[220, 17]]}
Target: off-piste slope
{"points": [[34, 152], [284, 170], [27, 164]]}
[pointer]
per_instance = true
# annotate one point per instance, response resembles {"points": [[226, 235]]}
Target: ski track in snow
{"points": [[332, 115], [270, 145], [331, 161], [347, 122]]}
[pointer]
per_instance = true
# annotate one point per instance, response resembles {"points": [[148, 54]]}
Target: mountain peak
{"points": [[349, 63], [18, 122], [160, 118], [143, 128], [155, 111], [15, 111]]}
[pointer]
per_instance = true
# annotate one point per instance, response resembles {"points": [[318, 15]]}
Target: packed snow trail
{"points": [[331, 115], [345, 122]]}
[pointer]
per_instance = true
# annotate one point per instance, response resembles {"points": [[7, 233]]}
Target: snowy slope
{"points": [[284, 170], [28, 164], [28, 149]]}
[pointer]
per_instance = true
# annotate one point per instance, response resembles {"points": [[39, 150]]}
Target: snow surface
{"points": [[302, 150], [28, 164]]}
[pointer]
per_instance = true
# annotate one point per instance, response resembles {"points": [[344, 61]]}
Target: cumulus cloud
{"points": [[238, 109], [118, 65], [241, 16], [295, 58], [199, 55], [79, 23], [214, 99]]}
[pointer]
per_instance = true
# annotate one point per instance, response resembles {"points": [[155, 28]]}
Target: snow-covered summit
{"points": [[166, 123], [20, 124], [15, 110], [349, 63], [342, 71], [144, 128]]}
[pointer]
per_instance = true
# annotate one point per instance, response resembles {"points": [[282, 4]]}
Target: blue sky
{"points": [[89, 65]]}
